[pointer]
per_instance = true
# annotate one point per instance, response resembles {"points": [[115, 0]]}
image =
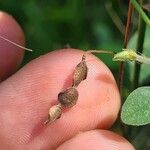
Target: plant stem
{"points": [[141, 12], [100, 51], [139, 48], [115, 18], [126, 37]]}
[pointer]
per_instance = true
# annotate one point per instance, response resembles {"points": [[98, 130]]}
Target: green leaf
{"points": [[136, 109]]}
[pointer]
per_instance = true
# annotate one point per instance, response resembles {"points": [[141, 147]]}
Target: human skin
{"points": [[27, 95], [10, 55]]}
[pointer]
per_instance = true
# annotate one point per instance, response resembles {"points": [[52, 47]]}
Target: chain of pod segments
{"points": [[68, 98]]}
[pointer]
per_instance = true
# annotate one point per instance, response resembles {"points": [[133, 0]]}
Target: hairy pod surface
{"points": [[80, 73], [69, 97]]}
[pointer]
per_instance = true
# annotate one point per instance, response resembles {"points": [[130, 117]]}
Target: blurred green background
{"points": [[83, 24]]}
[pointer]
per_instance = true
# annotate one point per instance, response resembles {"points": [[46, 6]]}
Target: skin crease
{"points": [[27, 96], [96, 140]]}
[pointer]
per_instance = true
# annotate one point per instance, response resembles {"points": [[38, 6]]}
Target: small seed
{"points": [[69, 97], [80, 73], [54, 113]]}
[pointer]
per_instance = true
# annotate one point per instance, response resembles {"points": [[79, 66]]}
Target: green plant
{"points": [[136, 109]]}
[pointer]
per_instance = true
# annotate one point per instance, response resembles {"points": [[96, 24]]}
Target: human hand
{"points": [[26, 97]]}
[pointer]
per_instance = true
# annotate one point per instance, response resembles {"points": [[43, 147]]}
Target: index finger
{"points": [[28, 95], [10, 55]]}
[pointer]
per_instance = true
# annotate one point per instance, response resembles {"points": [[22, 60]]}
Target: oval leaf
{"points": [[136, 109]]}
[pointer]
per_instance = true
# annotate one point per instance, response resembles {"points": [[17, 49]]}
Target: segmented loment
{"points": [[54, 113], [69, 97], [80, 73]]}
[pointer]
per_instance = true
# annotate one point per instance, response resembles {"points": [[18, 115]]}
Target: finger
{"points": [[97, 140], [10, 55], [28, 95]]}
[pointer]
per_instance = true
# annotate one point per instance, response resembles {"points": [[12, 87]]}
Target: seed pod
{"points": [[68, 98], [54, 113], [80, 73]]}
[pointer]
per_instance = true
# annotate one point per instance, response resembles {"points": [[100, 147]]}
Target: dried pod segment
{"points": [[80, 72], [69, 97], [54, 113]]}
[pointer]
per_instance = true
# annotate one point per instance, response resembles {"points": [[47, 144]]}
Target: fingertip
{"points": [[97, 140], [10, 55]]}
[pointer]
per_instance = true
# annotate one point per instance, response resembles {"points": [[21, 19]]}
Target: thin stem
{"points": [[100, 51], [141, 12], [126, 37], [139, 47], [96, 51], [115, 18], [5, 39]]}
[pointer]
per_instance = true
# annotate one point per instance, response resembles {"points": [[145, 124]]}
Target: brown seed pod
{"points": [[68, 98], [80, 73], [54, 113]]}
